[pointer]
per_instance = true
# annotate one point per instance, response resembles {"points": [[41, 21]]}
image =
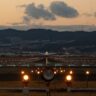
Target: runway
{"points": [[11, 78]]}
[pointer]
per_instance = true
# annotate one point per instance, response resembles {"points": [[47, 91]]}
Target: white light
{"points": [[61, 71], [22, 72], [38, 72], [55, 72], [87, 72], [32, 71]]}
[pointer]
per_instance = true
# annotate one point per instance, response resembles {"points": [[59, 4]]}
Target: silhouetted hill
{"points": [[41, 34], [75, 40]]}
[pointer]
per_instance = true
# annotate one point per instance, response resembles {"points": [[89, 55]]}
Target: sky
{"points": [[47, 13]]}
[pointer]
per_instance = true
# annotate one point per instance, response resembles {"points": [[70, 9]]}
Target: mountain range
{"points": [[44, 39]]}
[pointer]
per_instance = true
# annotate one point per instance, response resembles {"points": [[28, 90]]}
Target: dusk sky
{"points": [[30, 13]]}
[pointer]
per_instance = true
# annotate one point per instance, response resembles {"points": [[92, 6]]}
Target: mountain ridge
{"points": [[41, 39]]}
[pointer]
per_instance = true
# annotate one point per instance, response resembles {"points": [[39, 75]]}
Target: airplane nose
{"points": [[48, 75]]}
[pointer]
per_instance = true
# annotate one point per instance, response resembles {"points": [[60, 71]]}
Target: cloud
{"points": [[87, 14], [60, 8], [38, 12], [56, 8], [26, 20], [21, 6], [60, 28], [15, 24], [95, 14]]}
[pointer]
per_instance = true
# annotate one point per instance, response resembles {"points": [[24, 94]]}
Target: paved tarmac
{"points": [[11, 77]]}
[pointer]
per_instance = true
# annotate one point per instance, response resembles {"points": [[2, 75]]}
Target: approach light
{"points": [[22, 72], [41, 71], [38, 68], [61, 71], [71, 72], [55, 72], [38, 72], [87, 72], [32, 71], [68, 78], [25, 78]]}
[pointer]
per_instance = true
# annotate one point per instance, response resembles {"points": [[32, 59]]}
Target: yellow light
{"points": [[71, 72], [41, 71], [61, 71], [22, 72], [38, 68], [32, 71], [87, 72], [55, 72], [68, 78], [25, 77], [38, 72]]}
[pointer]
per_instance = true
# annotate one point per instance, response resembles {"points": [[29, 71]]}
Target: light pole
{"points": [[68, 80], [87, 77], [25, 80]]}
